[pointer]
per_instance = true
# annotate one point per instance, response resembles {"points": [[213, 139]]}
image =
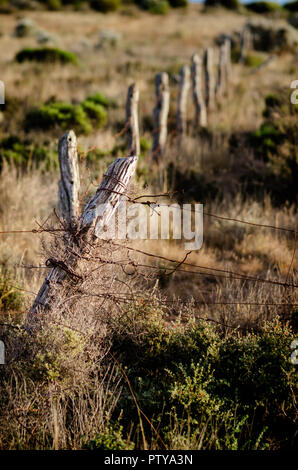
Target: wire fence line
{"points": [[207, 214], [209, 271]]}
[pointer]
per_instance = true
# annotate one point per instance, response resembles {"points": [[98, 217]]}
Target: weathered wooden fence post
{"points": [[228, 58], [184, 86], [69, 184], [209, 78], [132, 122], [221, 72], [160, 115], [245, 43], [90, 225], [200, 106]]}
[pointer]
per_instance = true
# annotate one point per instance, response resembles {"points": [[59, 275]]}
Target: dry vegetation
{"points": [[63, 387]]}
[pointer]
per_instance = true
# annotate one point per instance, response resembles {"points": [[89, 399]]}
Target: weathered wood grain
{"points": [[132, 122], [245, 43], [228, 59], [199, 103], [209, 78], [160, 115], [184, 86], [221, 72], [69, 184]]}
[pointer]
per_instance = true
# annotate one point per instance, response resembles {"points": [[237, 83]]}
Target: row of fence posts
{"points": [[201, 71], [209, 84]]}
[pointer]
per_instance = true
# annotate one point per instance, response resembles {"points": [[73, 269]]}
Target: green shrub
{"points": [[20, 152], [54, 5], [263, 7], [11, 298], [105, 6], [46, 55], [229, 4], [291, 6], [158, 7], [266, 139], [253, 60], [178, 3], [65, 115], [110, 439], [145, 144], [98, 98], [82, 117], [205, 384], [271, 101], [96, 112]]}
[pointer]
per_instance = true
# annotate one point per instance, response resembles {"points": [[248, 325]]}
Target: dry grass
{"points": [[59, 386]]}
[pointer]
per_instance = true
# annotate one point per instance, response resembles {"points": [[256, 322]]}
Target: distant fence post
{"points": [[69, 184], [221, 72], [184, 86], [245, 43], [228, 58], [228, 64], [132, 122], [199, 103], [160, 114], [209, 78]]}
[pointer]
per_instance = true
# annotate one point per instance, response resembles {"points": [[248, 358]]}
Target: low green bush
{"points": [[271, 101], [98, 98], [11, 298], [158, 7], [110, 439], [96, 112], [47, 55], [65, 115], [145, 144], [266, 139], [229, 4], [263, 7], [201, 388], [82, 117], [53, 5], [178, 3], [105, 6], [253, 59], [25, 153], [291, 6]]}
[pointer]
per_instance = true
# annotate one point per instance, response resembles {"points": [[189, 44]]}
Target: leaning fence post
{"points": [[132, 123], [69, 184], [160, 114], [221, 72], [209, 78], [184, 85], [200, 107], [91, 224]]}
